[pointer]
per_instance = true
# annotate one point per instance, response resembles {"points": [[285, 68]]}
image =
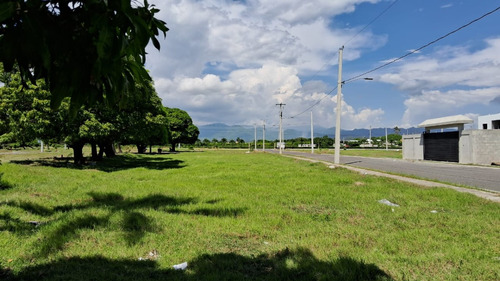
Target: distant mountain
{"points": [[220, 130]]}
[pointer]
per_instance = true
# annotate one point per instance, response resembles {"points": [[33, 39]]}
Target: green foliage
{"points": [[27, 116], [86, 50], [181, 127], [25, 112]]}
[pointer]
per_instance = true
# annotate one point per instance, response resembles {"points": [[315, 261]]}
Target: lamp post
{"points": [[339, 107]]}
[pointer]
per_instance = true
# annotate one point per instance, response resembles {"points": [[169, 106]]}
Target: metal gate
{"points": [[441, 146]]}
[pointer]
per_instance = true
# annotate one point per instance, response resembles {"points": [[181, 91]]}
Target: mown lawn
{"points": [[233, 215]]}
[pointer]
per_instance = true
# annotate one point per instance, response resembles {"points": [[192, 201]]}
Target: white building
{"points": [[488, 122]]}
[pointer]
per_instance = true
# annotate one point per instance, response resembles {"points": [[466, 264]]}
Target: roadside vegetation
{"points": [[233, 215]]}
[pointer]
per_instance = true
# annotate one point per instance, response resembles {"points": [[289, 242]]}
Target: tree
{"points": [[27, 116], [397, 130], [86, 50], [145, 121], [181, 127]]}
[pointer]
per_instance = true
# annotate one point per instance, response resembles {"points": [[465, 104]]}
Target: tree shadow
{"points": [[134, 224], [15, 225], [117, 163], [298, 264], [4, 185]]}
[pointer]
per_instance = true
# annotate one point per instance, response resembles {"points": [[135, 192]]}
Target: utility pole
{"points": [[255, 136], [370, 139], [312, 134], [339, 109], [264, 136], [281, 129], [386, 144]]}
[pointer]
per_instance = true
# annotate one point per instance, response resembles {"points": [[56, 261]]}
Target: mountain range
{"points": [[247, 133]]}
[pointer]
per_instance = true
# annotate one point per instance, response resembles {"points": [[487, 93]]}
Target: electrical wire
{"points": [[316, 103], [422, 47], [372, 21], [361, 76]]}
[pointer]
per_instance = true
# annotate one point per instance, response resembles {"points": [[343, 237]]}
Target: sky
{"points": [[231, 62]]}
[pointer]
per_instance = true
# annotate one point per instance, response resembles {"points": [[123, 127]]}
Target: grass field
{"points": [[233, 215]]}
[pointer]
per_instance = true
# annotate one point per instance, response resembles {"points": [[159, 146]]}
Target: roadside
{"points": [[478, 176]]}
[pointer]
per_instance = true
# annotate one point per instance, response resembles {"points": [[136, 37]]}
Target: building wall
{"points": [[480, 147], [413, 147], [483, 147], [487, 121]]}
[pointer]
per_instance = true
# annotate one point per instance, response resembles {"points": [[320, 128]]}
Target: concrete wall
{"points": [[413, 147], [480, 147]]}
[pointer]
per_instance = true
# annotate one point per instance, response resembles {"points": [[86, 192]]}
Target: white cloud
{"points": [[434, 104], [450, 66], [250, 95], [448, 81], [252, 33], [255, 51]]}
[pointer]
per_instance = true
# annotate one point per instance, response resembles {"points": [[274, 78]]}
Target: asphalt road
{"points": [[487, 178]]}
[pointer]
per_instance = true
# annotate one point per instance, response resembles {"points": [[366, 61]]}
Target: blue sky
{"points": [[231, 61]]}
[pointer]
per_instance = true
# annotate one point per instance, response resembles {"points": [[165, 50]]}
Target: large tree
{"points": [[88, 51], [181, 127], [26, 116]]}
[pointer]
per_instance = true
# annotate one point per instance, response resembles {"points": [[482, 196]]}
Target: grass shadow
{"points": [[134, 226], [209, 212], [298, 264], [15, 225], [117, 163], [67, 231], [4, 185]]}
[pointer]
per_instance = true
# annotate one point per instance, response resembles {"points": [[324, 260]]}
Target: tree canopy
{"points": [[181, 127], [26, 116], [88, 51]]}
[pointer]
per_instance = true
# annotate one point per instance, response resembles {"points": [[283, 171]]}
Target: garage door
{"points": [[441, 146]]}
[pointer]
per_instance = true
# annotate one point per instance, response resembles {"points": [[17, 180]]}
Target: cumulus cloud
{"points": [[448, 81], [450, 66], [248, 96], [232, 61], [248, 34], [432, 104]]}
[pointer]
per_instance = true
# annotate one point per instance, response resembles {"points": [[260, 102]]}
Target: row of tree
{"points": [[26, 116], [320, 142]]}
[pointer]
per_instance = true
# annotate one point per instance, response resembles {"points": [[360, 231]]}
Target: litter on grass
{"points": [[434, 211], [181, 266], [388, 203]]}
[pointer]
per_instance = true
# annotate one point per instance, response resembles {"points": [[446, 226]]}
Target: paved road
{"points": [[487, 178]]}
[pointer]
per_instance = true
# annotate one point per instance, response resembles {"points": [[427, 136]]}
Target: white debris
{"points": [[181, 266], [434, 211], [388, 203]]}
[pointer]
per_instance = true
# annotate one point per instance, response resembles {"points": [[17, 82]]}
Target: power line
{"points": [[422, 47], [372, 21], [360, 76], [316, 103]]}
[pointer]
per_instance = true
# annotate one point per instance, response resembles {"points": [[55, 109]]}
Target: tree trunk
{"points": [[109, 149], [172, 148], [94, 151], [150, 149], [78, 153], [141, 148]]}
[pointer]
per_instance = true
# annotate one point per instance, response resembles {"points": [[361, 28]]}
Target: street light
{"points": [[339, 107]]}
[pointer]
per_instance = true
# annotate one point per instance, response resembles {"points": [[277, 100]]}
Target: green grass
{"points": [[235, 216]]}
